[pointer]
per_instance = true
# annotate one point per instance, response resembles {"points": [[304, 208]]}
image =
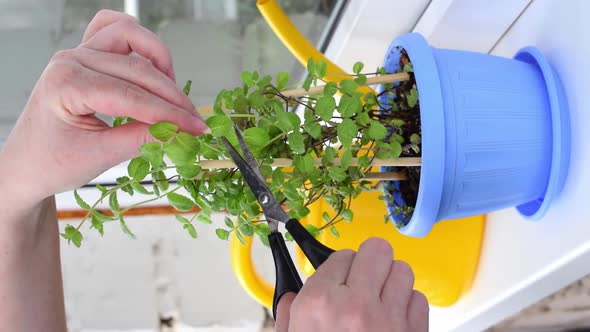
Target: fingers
{"points": [[102, 19], [284, 312], [371, 266], [135, 70], [398, 288], [82, 91], [124, 37], [418, 312], [333, 271], [122, 143]]}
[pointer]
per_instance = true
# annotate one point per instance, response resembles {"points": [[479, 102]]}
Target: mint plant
{"points": [[325, 152]]}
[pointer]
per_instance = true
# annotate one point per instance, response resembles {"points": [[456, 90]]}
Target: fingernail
{"points": [[201, 126]]}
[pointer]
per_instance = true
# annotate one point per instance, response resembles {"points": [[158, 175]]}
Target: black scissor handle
{"points": [[287, 278], [314, 250]]}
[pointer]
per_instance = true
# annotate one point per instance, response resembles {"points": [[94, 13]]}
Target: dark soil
{"points": [[411, 115]]}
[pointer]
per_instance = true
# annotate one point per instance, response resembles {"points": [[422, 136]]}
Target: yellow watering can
{"points": [[444, 262]]}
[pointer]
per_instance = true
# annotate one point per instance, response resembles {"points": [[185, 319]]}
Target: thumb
{"points": [[122, 143], [284, 312]]}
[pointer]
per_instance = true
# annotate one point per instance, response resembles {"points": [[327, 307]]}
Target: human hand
{"points": [[58, 143], [357, 291]]}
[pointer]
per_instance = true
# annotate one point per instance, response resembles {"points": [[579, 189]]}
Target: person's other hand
{"points": [[58, 143], [357, 291]]}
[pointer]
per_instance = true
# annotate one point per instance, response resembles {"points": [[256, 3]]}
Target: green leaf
{"points": [[118, 121], [363, 118], [321, 69], [347, 215], [81, 202], [182, 219], [262, 229], [256, 137], [97, 224], [183, 149], [357, 67], [278, 177], [153, 153], [100, 216], [220, 125], [138, 168], [412, 97], [288, 237], [408, 68], [347, 131], [204, 219], [370, 99], [290, 192], [161, 180], [188, 171], [124, 227], [264, 81], [239, 236], [338, 173], [304, 164], [330, 89], [247, 229], [360, 79], [125, 183], [180, 203], [415, 138], [191, 230], [288, 121], [364, 161], [398, 122], [325, 107], [307, 83], [399, 138], [228, 222], [377, 130], [102, 189], [187, 87], [349, 106], [256, 100], [314, 129], [334, 231], [296, 142], [248, 78], [241, 104], [346, 158], [329, 154], [163, 131], [72, 234], [311, 67], [140, 188], [396, 149], [348, 87], [326, 216], [313, 230], [114, 203], [282, 80]]}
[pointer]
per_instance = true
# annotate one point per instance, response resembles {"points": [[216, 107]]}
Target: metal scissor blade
{"points": [[271, 208], [248, 157]]}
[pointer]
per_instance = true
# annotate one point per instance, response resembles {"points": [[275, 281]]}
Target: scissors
{"points": [[287, 278]]}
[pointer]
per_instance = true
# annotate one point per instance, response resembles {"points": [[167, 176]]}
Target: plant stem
{"points": [[148, 200]]}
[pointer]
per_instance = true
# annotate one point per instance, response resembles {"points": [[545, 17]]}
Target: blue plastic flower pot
{"points": [[495, 133]]}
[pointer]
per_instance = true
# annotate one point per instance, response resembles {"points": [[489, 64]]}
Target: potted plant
{"points": [[454, 134]]}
